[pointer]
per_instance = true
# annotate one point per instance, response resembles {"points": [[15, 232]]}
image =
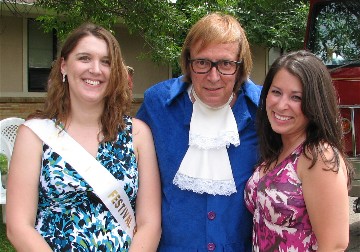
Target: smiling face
{"points": [[283, 105], [213, 88], [87, 69]]}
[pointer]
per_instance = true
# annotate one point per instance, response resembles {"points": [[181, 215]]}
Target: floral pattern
{"points": [[281, 221], [70, 216]]}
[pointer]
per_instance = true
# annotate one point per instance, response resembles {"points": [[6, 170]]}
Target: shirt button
{"points": [[211, 246], [211, 215]]}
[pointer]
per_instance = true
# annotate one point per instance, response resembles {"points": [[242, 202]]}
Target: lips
{"points": [[282, 118], [92, 82], [213, 89]]}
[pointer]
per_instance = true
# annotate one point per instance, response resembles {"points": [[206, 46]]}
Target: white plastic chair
{"points": [[8, 130]]}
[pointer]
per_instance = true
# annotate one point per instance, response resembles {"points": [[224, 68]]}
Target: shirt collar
{"points": [[176, 88]]}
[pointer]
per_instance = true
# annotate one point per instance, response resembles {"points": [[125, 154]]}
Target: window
{"points": [[336, 31], [41, 53]]}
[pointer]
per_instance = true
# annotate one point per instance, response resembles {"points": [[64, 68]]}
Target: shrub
{"points": [[3, 164]]}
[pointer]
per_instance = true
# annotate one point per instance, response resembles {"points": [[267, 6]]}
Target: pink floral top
{"points": [[281, 221]]}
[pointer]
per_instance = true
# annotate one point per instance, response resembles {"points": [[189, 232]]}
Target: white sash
{"points": [[105, 185]]}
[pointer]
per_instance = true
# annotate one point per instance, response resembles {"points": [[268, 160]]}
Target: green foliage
{"points": [[275, 23], [336, 30], [3, 164], [65, 15], [164, 25], [5, 245]]}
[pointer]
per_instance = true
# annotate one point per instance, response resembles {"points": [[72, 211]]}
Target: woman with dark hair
{"points": [[82, 171], [299, 192]]}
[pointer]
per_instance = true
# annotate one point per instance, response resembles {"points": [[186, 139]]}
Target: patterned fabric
{"points": [[70, 216], [281, 221]]}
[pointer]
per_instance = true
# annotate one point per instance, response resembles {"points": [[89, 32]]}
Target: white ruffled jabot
{"points": [[206, 166]]}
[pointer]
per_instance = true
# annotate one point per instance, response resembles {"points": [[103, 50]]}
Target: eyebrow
{"points": [[82, 53], [293, 92], [87, 54]]}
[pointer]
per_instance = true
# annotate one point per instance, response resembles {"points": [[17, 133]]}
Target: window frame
{"points": [[37, 76]]}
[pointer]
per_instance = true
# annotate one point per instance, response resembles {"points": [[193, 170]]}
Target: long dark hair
{"points": [[319, 105]]}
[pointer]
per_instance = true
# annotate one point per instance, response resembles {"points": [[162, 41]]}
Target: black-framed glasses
{"points": [[225, 67]]}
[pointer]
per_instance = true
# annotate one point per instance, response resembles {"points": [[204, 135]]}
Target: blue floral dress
{"points": [[70, 216]]}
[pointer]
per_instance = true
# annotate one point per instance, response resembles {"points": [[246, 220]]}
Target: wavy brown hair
{"points": [[319, 104], [218, 28], [117, 99]]}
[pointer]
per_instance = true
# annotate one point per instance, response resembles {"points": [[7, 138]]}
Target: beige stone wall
{"points": [[23, 106], [19, 107], [259, 55]]}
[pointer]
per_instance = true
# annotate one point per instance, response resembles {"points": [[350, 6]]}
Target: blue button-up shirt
{"points": [[191, 221]]}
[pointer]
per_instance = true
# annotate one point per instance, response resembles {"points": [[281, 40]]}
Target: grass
{"points": [[5, 245]]}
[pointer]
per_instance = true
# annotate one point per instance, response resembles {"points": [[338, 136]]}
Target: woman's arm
{"points": [[326, 199], [22, 193], [148, 201]]}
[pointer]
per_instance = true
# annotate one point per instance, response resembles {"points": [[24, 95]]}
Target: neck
{"points": [[85, 116], [231, 101], [290, 143]]}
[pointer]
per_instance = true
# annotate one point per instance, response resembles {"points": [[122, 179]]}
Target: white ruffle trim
{"points": [[210, 186], [225, 138], [206, 167]]}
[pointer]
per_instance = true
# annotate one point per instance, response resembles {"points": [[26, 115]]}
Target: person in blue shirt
{"points": [[205, 139]]}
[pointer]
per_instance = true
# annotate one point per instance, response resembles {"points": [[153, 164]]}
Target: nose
{"points": [[95, 67], [213, 75], [283, 103]]}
